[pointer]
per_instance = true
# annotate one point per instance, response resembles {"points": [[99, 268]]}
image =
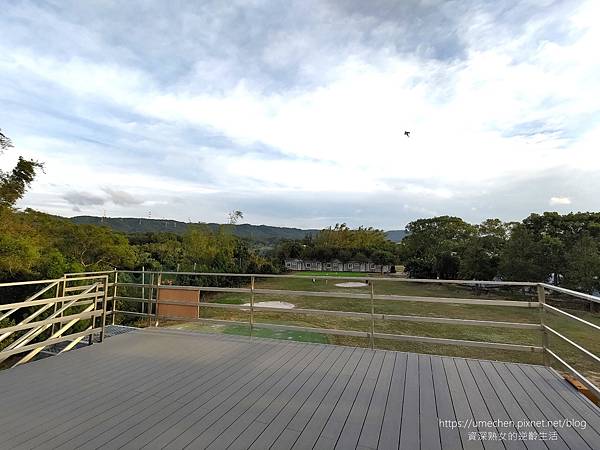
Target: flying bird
{"points": [[407, 133]]}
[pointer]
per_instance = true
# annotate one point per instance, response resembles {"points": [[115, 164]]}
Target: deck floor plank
{"points": [[311, 432], [326, 367], [547, 410], [497, 410], [285, 389], [277, 425], [162, 388], [478, 405], [266, 413], [131, 397], [355, 420], [117, 428], [449, 435], [392, 418], [589, 434], [429, 430], [72, 403]]}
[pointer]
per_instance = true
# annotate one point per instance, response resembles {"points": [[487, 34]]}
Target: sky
{"points": [[294, 112]]}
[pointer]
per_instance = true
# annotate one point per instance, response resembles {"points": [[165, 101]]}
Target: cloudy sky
{"points": [[294, 111]]}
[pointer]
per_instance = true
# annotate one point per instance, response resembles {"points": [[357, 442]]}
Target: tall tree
{"points": [[14, 183], [481, 255], [582, 271], [433, 246], [522, 257]]}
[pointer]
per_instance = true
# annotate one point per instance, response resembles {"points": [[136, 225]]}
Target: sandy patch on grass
{"points": [[283, 305], [352, 284]]}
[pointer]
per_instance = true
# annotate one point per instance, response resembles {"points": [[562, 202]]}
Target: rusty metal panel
{"points": [[191, 296]]}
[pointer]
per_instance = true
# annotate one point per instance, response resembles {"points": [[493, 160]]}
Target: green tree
{"points": [[481, 256], [582, 271], [521, 258], [14, 183], [433, 246]]}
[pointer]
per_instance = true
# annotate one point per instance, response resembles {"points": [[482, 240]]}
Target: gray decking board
{"points": [[429, 432], [112, 427], [390, 427], [449, 437], [477, 403], [410, 430], [78, 417], [163, 388]]}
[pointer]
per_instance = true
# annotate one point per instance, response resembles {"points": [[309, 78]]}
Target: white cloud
{"points": [[560, 201], [515, 107]]}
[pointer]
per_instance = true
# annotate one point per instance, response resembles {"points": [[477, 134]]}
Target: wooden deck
{"points": [[168, 389]]}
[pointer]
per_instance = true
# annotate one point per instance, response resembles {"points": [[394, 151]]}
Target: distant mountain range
{"points": [[260, 233]]}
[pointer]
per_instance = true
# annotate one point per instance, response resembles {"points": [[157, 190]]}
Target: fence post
{"points": [[149, 313], [372, 315], [104, 306], [158, 282], [542, 300], [114, 303], [63, 293], [251, 306], [56, 303], [199, 301], [143, 283], [93, 318]]}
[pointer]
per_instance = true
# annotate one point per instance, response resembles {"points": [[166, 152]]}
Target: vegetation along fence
{"points": [[374, 310]]}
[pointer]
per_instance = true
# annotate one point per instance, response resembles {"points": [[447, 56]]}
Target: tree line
{"points": [[548, 247], [364, 244]]}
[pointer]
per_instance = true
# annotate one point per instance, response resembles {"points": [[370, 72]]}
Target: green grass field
{"points": [[585, 337]]}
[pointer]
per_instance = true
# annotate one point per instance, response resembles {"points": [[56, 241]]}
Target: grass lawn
{"points": [[588, 338], [242, 330]]}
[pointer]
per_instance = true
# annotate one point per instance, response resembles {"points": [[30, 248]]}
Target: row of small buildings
{"points": [[336, 266]]}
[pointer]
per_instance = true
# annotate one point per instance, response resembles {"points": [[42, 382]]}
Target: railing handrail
{"points": [[581, 295], [30, 282], [331, 277]]}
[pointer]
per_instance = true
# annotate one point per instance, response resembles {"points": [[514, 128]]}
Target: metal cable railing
{"points": [[101, 294]]}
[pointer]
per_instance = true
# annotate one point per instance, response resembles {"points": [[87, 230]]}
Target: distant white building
{"points": [[335, 266]]}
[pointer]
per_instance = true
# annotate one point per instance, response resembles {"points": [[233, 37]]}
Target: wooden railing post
{"points": [[542, 300], [149, 312], [57, 294], [158, 283], [104, 306], [199, 301], [114, 302], [372, 315], [93, 318], [63, 292], [143, 283], [251, 306]]}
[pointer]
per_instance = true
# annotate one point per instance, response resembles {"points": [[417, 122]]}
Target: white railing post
{"points": [[542, 301], [149, 312], [372, 315], [104, 306], [93, 318], [143, 283], [158, 283], [251, 306], [57, 294], [114, 302]]}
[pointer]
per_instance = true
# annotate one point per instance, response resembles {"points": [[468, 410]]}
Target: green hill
{"points": [[259, 233]]}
